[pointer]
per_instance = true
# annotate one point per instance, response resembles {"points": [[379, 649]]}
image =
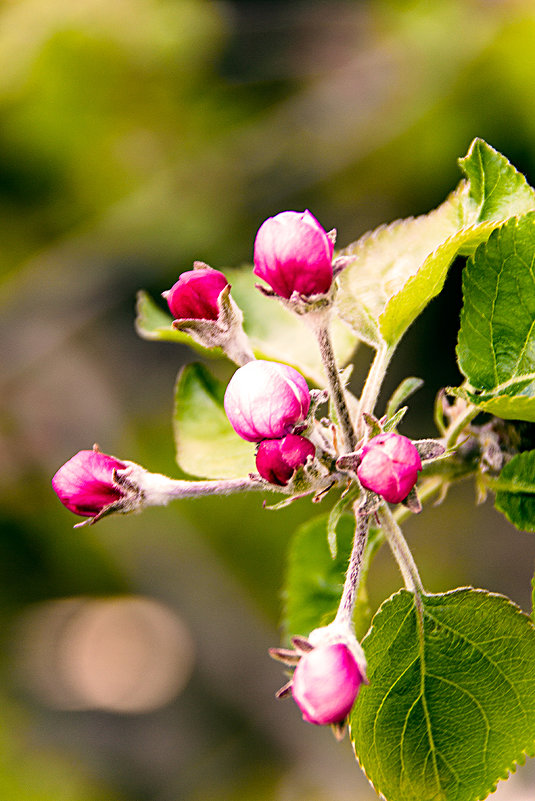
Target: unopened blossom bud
{"points": [[264, 400], [293, 253], [195, 294], [278, 459], [325, 684], [389, 466], [85, 483]]}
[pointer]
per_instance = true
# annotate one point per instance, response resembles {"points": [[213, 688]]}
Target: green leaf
{"points": [[314, 580], [496, 347], [404, 391], [274, 332], [515, 491], [206, 443], [155, 324], [450, 707], [497, 189], [399, 268]]}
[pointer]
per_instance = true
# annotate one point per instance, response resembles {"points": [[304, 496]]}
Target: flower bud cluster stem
{"points": [[344, 614], [319, 323]]}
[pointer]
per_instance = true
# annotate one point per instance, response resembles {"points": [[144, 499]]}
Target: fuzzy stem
{"points": [[401, 551], [372, 385], [344, 614], [319, 323], [238, 350], [458, 425]]}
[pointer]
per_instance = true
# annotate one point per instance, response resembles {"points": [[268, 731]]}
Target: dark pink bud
{"points": [[264, 400], [325, 684], [293, 253], [277, 459], [195, 294], [85, 483], [389, 466]]}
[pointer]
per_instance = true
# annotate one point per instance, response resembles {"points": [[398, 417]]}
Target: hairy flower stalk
{"points": [[319, 324], [344, 615]]}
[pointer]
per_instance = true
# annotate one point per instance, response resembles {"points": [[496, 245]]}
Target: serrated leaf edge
{"points": [[520, 760]]}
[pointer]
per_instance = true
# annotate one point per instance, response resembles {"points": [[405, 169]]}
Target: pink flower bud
{"points": [[264, 400], [389, 466], [277, 459], [85, 483], [195, 294], [325, 684], [293, 253]]}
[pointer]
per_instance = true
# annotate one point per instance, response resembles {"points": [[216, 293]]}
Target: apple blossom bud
{"points": [[264, 400], [325, 684], [293, 253], [389, 466], [277, 459], [195, 294], [85, 483]]}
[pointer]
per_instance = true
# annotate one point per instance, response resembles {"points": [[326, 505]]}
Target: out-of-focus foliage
{"points": [[135, 137]]}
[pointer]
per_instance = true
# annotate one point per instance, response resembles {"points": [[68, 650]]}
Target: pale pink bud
{"points": [[277, 459], [325, 684], [264, 400], [293, 253], [195, 294], [389, 466], [85, 483]]}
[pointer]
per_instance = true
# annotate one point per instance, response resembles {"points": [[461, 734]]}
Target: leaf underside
{"points": [[450, 707]]}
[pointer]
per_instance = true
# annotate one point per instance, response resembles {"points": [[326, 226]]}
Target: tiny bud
{"points": [[195, 294], [389, 466], [293, 253], [85, 484], [277, 459], [326, 683], [264, 400]]}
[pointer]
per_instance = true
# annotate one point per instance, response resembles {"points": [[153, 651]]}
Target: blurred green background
{"points": [[135, 137]]}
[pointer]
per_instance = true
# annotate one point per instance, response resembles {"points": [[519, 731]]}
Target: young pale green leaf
{"points": [[154, 323], [206, 444], [399, 268], [273, 331], [515, 491], [496, 347], [450, 705]]}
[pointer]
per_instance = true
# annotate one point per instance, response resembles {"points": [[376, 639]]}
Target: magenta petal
{"points": [[195, 294], [325, 684], [85, 483]]}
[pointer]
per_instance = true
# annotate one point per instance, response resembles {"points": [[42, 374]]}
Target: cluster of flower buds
{"points": [[268, 403], [264, 402]]}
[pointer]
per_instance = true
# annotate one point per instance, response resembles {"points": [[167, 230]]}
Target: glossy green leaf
{"points": [[450, 705], [274, 332], [496, 347], [515, 491], [206, 444], [399, 268]]}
